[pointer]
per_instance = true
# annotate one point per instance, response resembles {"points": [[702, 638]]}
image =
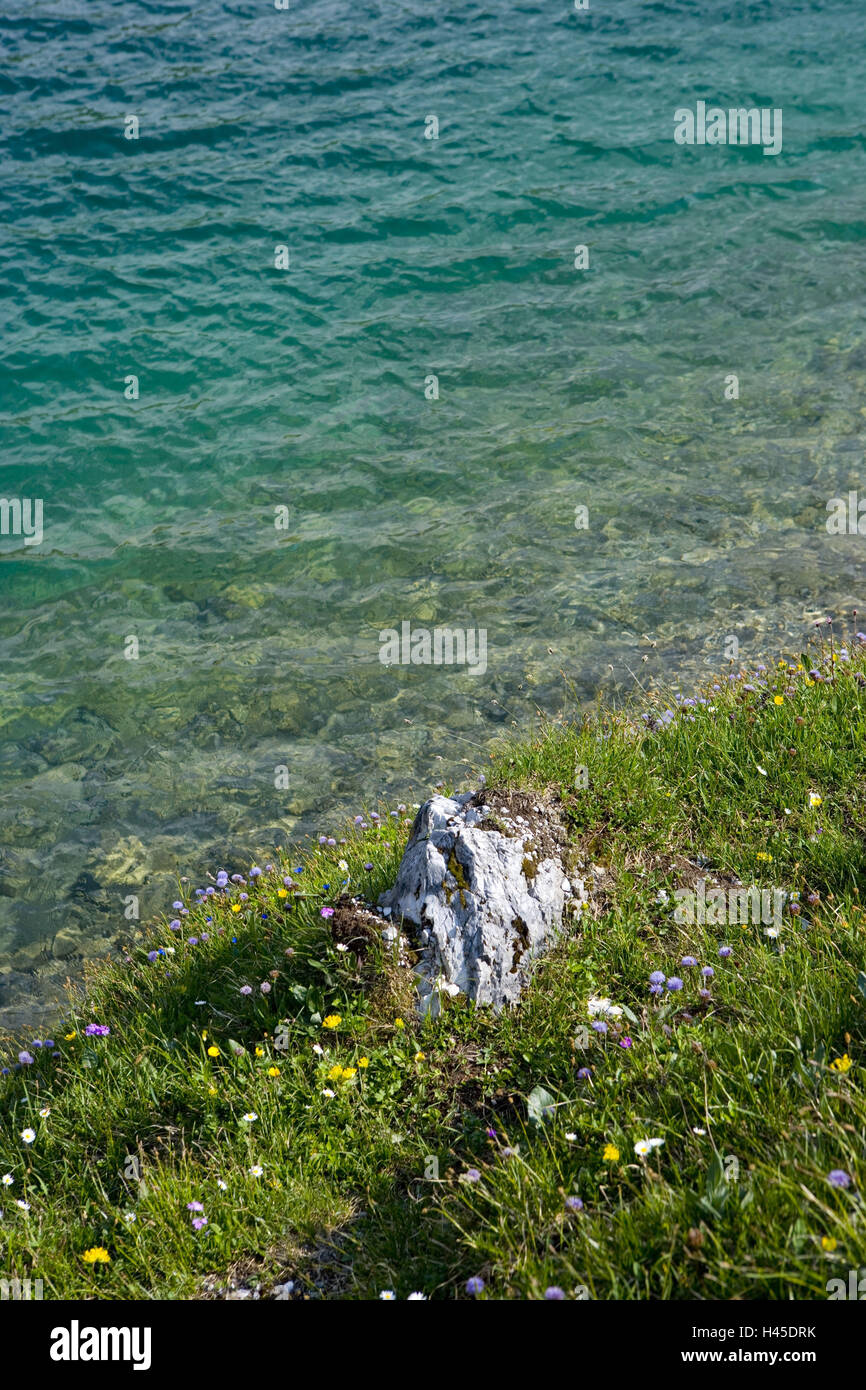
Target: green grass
{"points": [[448, 1149]]}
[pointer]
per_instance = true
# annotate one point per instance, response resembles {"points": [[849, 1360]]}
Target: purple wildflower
{"points": [[475, 1285], [839, 1178]]}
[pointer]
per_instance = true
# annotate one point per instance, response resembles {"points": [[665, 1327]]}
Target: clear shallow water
{"points": [[305, 389]]}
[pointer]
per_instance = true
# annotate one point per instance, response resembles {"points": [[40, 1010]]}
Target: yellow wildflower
{"points": [[96, 1255], [828, 1243], [335, 1073], [273, 1071], [611, 1153], [815, 799], [236, 907], [842, 1063], [398, 1023], [282, 892], [260, 1052], [332, 1021], [211, 1090], [348, 1073], [69, 1037], [363, 1061], [768, 858], [419, 1056], [213, 1050]]}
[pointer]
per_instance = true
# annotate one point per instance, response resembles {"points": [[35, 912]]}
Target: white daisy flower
{"points": [[28, 1135], [256, 1170], [646, 1146], [249, 1117], [388, 1295], [603, 1007]]}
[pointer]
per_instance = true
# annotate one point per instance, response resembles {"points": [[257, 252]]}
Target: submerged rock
{"points": [[483, 880]]}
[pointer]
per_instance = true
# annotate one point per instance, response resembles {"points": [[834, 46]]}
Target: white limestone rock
{"points": [[482, 880]]}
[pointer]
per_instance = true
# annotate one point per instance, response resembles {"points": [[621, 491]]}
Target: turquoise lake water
{"points": [[261, 388]]}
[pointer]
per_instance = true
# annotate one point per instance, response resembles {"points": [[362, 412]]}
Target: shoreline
{"points": [[256, 1059], [39, 987]]}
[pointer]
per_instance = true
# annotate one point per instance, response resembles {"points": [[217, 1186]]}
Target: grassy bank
{"points": [[266, 1107]]}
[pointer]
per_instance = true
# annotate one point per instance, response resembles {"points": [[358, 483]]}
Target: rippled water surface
{"points": [[305, 389]]}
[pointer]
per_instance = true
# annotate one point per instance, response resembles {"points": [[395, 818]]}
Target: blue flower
{"points": [[839, 1178]]}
